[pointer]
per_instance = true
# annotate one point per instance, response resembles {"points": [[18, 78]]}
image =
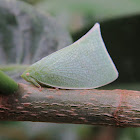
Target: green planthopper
{"points": [[85, 64]]}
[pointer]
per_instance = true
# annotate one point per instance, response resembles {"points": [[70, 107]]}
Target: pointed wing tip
{"points": [[96, 25]]}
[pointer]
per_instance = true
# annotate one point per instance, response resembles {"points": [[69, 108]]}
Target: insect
{"points": [[85, 64]]}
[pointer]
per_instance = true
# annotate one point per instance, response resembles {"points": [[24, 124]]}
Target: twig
{"points": [[120, 108], [7, 85]]}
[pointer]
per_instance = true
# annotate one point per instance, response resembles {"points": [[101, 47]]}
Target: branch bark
{"points": [[119, 108]]}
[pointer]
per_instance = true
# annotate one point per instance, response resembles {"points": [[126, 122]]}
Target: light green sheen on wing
{"points": [[85, 64]]}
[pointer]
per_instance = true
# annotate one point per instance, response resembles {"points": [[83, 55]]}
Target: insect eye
{"points": [[27, 74]]}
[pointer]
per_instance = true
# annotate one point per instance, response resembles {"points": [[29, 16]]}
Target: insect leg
{"points": [[35, 82]]}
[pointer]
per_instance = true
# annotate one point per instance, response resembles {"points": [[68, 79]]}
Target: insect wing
{"points": [[83, 65]]}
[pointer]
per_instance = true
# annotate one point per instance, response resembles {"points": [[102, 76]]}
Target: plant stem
{"points": [[119, 108], [7, 85]]}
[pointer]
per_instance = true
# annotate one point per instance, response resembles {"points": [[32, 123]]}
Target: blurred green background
{"points": [[120, 30]]}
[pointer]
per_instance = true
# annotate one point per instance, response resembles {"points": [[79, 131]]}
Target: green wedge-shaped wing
{"points": [[85, 64]]}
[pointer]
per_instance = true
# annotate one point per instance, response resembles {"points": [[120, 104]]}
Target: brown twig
{"points": [[120, 108]]}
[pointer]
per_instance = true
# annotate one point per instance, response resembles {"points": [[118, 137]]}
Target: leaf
{"points": [[77, 14]]}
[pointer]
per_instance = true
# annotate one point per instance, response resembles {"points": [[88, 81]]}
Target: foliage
{"points": [[76, 14]]}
